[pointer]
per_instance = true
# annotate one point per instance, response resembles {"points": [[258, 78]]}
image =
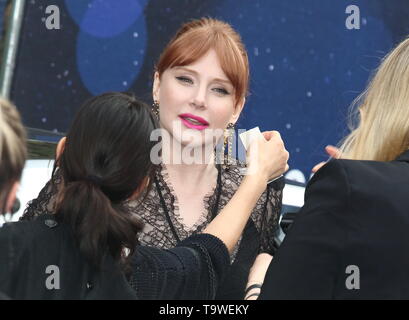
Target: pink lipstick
{"points": [[193, 122]]}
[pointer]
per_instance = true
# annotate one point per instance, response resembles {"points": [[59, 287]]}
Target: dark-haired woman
{"points": [[88, 248]]}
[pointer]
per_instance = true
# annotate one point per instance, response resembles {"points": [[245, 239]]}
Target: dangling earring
{"points": [[155, 108], [228, 143]]}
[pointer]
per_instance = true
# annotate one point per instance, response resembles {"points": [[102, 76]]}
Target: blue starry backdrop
{"points": [[306, 66]]}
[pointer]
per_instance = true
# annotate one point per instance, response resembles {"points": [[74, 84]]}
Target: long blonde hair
{"points": [[380, 115], [13, 151]]}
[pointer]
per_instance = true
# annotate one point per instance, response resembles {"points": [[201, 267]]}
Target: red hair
{"points": [[194, 39]]}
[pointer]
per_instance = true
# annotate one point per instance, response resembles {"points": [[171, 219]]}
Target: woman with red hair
{"points": [[200, 87]]}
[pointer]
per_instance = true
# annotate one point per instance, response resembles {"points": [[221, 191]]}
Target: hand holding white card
{"points": [[248, 136]]}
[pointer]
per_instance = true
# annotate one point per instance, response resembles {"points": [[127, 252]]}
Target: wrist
{"points": [[258, 180], [252, 291]]}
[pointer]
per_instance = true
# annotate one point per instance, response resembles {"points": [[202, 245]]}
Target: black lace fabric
{"points": [[45, 202], [157, 232]]}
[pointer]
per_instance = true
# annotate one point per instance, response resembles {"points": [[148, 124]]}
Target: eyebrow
{"points": [[193, 71]]}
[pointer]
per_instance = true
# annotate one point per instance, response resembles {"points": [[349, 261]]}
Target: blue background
{"points": [[306, 66]]}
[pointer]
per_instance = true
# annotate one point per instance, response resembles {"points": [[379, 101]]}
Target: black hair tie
{"points": [[94, 179]]}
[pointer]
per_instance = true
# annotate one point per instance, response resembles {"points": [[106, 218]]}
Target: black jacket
{"points": [[40, 260], [351, 238]]}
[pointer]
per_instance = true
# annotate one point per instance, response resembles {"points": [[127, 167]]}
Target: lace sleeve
{"points": [[44, 203], [266, 212], [267, 216]]}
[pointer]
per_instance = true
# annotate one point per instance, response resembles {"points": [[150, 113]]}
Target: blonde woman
{"points": [[12, 157], [12, 154], [351, 240]]}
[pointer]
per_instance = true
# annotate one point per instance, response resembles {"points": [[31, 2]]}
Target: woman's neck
{"points": [[189, 166], [191, 174]]}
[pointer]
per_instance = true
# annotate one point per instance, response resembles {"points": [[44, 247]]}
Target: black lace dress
{"points": [[257, 237]]}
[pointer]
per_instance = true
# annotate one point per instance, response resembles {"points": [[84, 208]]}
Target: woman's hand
{"points": [[333, 152], [267, 158], [256, 276]]}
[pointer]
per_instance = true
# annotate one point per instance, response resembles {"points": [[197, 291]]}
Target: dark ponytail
{"points": [[106, 159]]}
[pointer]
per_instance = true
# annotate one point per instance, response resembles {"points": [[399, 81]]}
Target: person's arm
{"points": [[307, 264], [267, 158], [256, 276], [195, 267], [266, 220]]}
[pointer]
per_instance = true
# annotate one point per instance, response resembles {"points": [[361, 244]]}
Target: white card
{"points": [[248, 137]]}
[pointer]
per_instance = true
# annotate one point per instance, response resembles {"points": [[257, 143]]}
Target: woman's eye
{"points": [[185, 80], [222, 91]]}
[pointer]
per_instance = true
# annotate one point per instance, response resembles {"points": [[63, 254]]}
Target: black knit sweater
{"points": [[192, 270]]}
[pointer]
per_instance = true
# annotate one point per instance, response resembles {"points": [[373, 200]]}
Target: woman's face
{"points": [[196, 101]]}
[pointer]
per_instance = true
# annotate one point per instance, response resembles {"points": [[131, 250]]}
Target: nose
{"points": [[199, 98]]}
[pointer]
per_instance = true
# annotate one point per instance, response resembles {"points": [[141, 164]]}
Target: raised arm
{"points": [[267, 159], [194, 269]]}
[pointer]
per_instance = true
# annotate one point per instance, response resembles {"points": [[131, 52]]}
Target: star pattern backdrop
{"points": [[306, 66]]}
